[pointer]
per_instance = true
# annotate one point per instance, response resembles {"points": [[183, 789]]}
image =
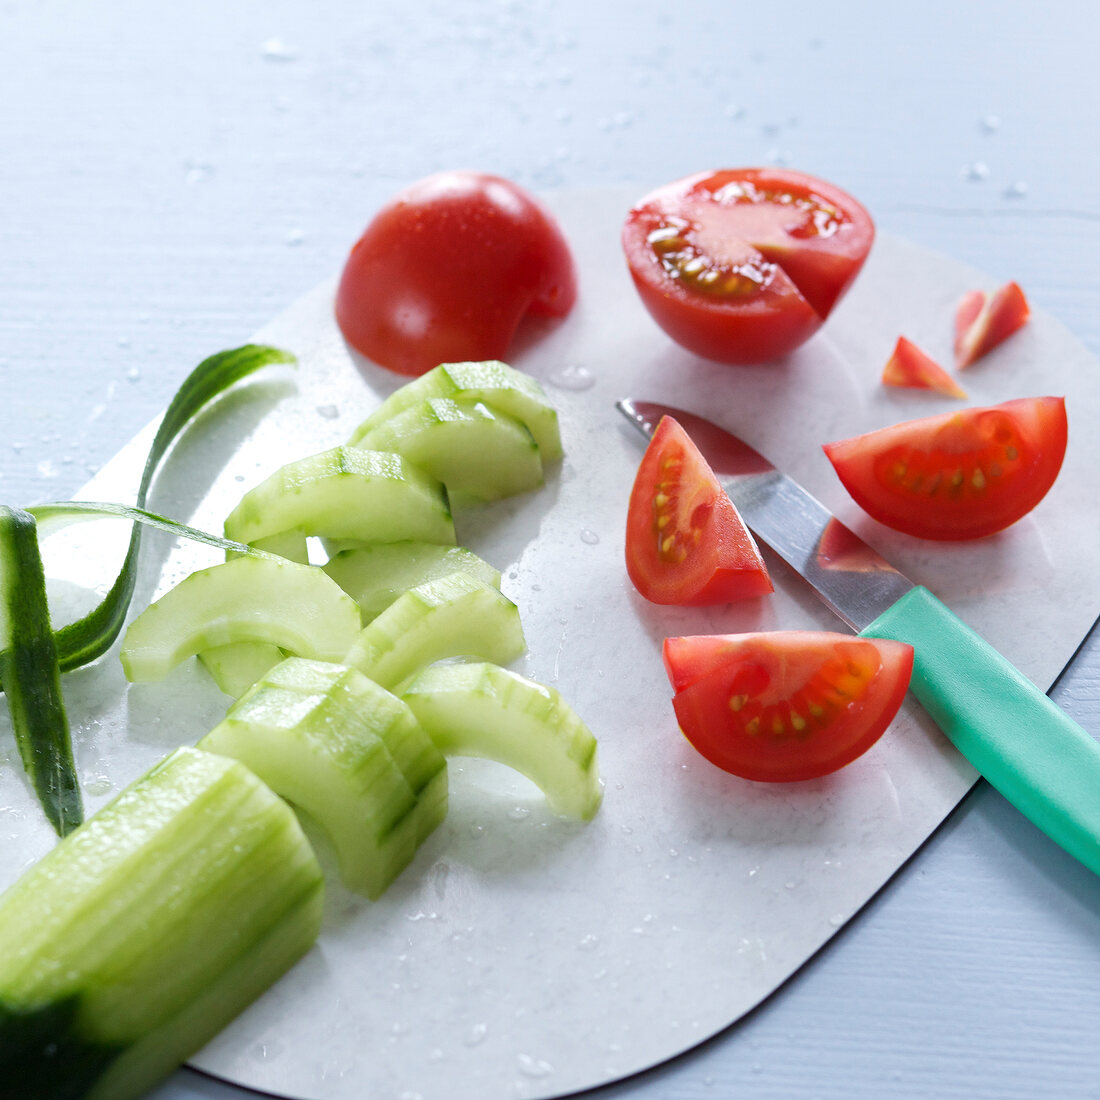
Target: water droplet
{"points": [[533, 1067], [477, 831], [1017, 190], [123, 341], [589, 537], [275, 49], [573, 377], [435, 1054], [990, 124], [101, 784], [133, 375], [519, 813], [17, 447], [975, 172], [294, 237], [329, 412], [47, 469], [836, 920], [476, 1035], [197, 171], [734, 111], [588, 942]]}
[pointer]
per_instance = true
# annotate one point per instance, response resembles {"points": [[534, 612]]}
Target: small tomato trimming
{"points": [[744, 265], [910, 367], [960, 475], [782, 706], [983, 321], [448, 268], [685, 542]]}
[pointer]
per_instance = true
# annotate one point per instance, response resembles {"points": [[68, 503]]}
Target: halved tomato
{"points": [[785, 705], [744, 265], [448, 269], [685, 542], [960, 475], [910, 367], [983, 321]]}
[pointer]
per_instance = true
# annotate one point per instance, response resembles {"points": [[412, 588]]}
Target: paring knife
{"points": [[1030, 750]]}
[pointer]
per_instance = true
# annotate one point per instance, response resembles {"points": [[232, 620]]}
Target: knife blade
{"points": [[1029, 749]]}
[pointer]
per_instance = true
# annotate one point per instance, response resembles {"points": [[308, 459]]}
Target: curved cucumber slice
{"points": [[346, 493], [350, 754], [456, 616], [374, 576], [478, 453], [487, 711], [503, 388], [237, 666], [145, 931], [254, 599]]}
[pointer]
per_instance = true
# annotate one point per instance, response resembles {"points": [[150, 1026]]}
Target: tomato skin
{"points": [[711, 557], [961, 475], [446, 271], [784, 706], [807, 247], [983, 321]]}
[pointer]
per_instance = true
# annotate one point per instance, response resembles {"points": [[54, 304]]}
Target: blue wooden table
{"points": [[171, 176]]}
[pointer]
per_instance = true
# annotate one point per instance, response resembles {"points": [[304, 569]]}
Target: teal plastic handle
{"points": [[1042, 761]]}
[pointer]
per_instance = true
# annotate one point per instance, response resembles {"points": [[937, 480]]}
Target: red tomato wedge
{"points": [[983, 321], [785, 705], [447, 270], [685, 542], [744, 265], [960, 475], [912, 368]]}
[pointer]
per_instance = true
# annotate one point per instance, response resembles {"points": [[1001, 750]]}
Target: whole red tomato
{"points": [[447, 270], [744, 265]]}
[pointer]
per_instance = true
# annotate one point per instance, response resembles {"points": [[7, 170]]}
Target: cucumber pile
{"points": [[149, 927]]}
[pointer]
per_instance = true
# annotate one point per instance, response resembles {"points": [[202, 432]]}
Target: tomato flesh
{"points": [[960, 475], [910, 367], [685, 542], [446, 271], [785, 705], [744, 265]]}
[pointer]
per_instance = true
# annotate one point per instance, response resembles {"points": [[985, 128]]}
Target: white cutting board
{"points": [[523, 956]]}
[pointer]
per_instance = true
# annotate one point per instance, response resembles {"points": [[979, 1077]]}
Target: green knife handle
{"points": [[1042, 761]]}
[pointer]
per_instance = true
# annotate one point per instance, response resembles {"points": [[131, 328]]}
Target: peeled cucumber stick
{"points": [[145, 931], [350, 754], [480, 709], [246, 599], [503, 388]]}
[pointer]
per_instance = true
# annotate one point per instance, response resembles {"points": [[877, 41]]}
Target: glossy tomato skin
{"points": [[446, 271], [745, 265], [685, 542], [961, 475], [785, 706]]}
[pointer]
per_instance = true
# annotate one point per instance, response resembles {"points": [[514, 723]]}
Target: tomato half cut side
{"points": [[446, 271], [744, 265], [960, 475], [685, 542], [784, 706]]}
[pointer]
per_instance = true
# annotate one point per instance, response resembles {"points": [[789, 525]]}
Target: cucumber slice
{"points": [[346, 493], [374, 576], [480, 454], [145, 931], [248, 599], [456, 616], [286, 544], [347, 752], [237, 666], [482, 710], [501, 387]]}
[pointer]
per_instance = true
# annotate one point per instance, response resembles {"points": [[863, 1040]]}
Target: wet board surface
{"points": [[522, 955]]}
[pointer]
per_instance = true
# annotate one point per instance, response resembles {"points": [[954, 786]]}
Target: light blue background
{"points": [[171, 176]]}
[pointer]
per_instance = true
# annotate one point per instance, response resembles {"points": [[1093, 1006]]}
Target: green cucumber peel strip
{"points": [[31, 676], [83, 641], [32, 654]]}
